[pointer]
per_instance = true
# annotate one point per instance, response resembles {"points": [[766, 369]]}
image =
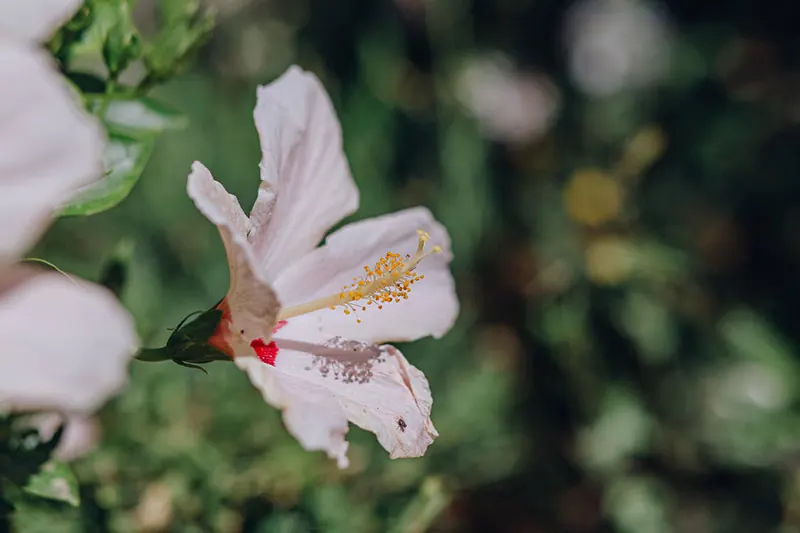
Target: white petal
{"points": [[50, 146], [432, 306], [252, 302], [34, 20], [304, 165], [395, 403], [64, 344]]}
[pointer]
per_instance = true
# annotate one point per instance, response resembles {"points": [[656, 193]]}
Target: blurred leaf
{"points": [[284, 523], [61, 42], [464, 183], [87, 82], [176, 11], [137, 118], [121, 44], [649, 324], [184, 30], [639, 504], [54, 481], [751, 337], [422, 511], [622, 429], [336, 513], [121, 48], [105, 15], [125, 159]]}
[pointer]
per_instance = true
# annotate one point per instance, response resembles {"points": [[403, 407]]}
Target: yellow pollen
{"points": [[389, 280]]}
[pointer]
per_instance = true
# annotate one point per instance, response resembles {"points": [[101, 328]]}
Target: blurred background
{"points": [[620, 180]]}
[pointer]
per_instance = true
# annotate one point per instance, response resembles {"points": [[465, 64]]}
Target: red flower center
{"points": [[267, 352]]}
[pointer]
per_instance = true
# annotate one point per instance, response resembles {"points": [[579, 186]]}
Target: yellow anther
{"points": [[388, 280]]}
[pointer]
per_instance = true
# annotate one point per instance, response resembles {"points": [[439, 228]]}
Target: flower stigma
{"points": [[390, 280]]}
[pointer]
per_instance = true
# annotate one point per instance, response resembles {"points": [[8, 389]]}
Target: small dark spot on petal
{"points": [[401, 424], [242, 332]]}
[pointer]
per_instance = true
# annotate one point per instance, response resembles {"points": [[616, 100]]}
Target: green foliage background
{"points": [[625, 360]]}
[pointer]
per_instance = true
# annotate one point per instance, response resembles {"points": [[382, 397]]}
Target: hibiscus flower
{"points": [[64, 343], [307, 322]]}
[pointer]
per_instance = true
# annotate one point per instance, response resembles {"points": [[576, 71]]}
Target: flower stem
{"points": [[153, 355]]}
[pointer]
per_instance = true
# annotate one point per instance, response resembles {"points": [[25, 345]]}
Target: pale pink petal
{"points": [[34, 20], [252, 302], [304, 166], [432, 306], [64, 344], [310, 413], [394, 402], [50, 146]]}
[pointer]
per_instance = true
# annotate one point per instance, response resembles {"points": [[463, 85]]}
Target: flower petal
{"points": [[432, 306], [35, 20], [304, 165], [252, 303], [394, 401], [64, 344], [51, 146], [81, 433]]}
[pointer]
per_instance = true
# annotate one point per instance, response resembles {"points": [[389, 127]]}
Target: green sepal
{"points": [[188, 345], [201, 328], [190, 365]]}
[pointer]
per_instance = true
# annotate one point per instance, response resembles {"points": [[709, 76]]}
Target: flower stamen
{"points": [[389, 280]]}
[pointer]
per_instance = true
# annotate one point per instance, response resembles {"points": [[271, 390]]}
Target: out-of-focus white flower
{"points": [[64, 344], [509, 104], [34, 20], [49, 146], [80, 435], [306, 322], [615, 45]]}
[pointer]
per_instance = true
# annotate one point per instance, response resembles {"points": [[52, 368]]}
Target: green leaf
{"points": [[137, 118], [184, 30], [54, 481], [121, 48], [87, 82], [104, 15], [425, 508], [124, 161]]}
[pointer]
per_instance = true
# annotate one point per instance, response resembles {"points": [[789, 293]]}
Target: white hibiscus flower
{"points": [[306, 321], [64, 344]]}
